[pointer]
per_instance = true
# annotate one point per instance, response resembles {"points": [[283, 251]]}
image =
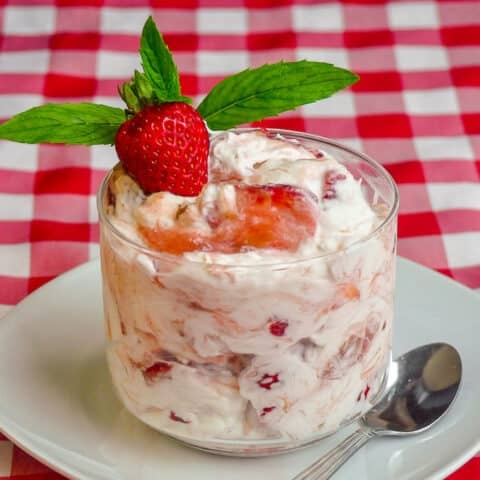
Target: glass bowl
{"points": [[254, 359]]}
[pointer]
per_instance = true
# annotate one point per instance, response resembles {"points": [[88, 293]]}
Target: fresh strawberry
{"points": [[165, 147]]}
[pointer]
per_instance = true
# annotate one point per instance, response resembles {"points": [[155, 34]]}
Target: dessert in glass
{"points": [[248, 275], [256, 317]]}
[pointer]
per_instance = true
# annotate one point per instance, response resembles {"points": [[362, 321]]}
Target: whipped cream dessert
{"points": [[260, 310]]}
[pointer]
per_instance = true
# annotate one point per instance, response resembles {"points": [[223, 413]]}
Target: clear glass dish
{"points": [[253, 360]]}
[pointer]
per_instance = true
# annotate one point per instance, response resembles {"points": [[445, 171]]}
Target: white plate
{"points": [[57, 403]]}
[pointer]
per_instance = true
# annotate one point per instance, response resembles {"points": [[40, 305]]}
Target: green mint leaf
{"points": [[269, 90], [158, 64], [74, 124]]}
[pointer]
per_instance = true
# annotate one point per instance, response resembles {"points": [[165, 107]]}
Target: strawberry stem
{"points": [[137, 93]]}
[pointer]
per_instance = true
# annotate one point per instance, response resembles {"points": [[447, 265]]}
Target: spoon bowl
{"points": [[422, 385]]}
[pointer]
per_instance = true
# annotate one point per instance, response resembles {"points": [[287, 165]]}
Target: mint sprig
{"points": [[71, 123], [269, 90], [248, 96], [159, 66]]}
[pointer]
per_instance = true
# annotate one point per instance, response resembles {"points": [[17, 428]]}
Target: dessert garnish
{"points": [[161, 140]]}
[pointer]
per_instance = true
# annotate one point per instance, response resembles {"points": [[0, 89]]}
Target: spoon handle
{"points": [[329, 463]]}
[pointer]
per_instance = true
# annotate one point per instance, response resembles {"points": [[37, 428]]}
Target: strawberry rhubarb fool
{"points": [[248, 275], [256, 316]]}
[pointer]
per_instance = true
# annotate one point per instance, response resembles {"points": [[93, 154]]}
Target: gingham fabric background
{"points": [[416, 110]]}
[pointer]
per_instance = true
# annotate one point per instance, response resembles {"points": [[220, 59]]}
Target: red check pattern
{"points": [[416, 110]]}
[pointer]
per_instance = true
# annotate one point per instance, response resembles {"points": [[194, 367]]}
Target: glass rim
{"points": [[392, 212]]}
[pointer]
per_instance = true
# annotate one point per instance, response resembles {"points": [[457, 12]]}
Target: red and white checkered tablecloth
{"points": [[416, 110]]}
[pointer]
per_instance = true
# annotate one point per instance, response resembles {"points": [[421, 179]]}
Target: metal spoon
{"points": [[422, 385]]}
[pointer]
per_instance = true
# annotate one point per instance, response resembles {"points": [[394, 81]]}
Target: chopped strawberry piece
{"points": [[366, 391], [266, 410], [176, 418], [268, 380], [278, 327], [329, 194], [331, 178], [156, 370]]}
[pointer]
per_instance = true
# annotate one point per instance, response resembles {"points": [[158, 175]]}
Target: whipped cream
{"points": [[260, 344]]}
